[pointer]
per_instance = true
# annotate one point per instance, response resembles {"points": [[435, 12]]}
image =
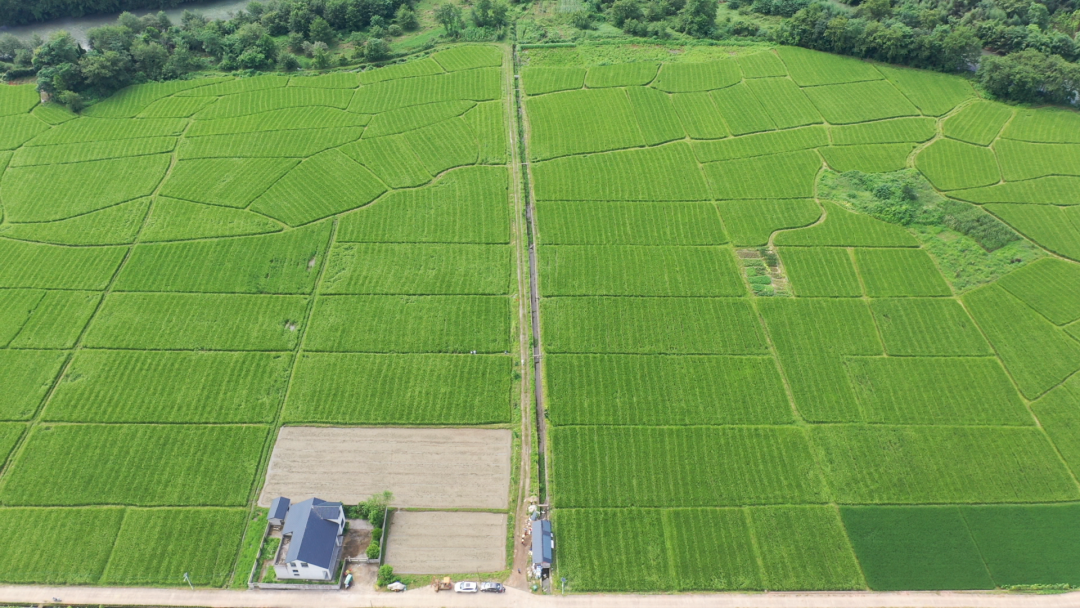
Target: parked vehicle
{"points": [[465, 587], [492, 587]]}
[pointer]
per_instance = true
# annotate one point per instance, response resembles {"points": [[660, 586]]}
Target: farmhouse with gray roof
{"points": [[311, 539]]}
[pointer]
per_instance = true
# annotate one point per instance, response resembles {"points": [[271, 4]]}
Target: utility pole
{"points": [[187, 579]]}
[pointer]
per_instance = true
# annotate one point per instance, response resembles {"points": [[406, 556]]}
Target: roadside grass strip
{"points": [[608, 466], [656, 115], [792, 176], [893, 131], [285, 119], [699, 116], [811, 68], [726, 326], [1044, 125], [1055, 228], [785, 103], [899, 272], [232, 182], [663, 173], [1051, 286], [812, 337], [761, 144], [170, 387], [1037, 354], [927, 327], [418, 269], [285, 263], [28, 375], [952, 165], [860, 102], [58, 546], [1028, 544], [752, 222], [687, 77], [144, 465], [1022, 160], [843, 228], [766, 64], [180, 321], [610, 223], [621, 270], [47, 319], [42, 266], [939, 391], [400, 389], [343, 185], [820, 271], [176, 220], [78, 188], [741, 110], [932, 92], [978, 123], [941, 464], [875, 158], [116, 225], [423, 324], [917, 548], [201, 543], [803, 548], [468, 57], [652, 390], [621, 75], [542, 80], [575, 122], [1059, 416]]}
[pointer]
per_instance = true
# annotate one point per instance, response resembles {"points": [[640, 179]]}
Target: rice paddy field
{"points": [[749, 385]]}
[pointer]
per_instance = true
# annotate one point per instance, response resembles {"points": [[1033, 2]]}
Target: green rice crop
{"points": [[286, 119], [391, 159], [1055, 228], [820, 271], [893, 131], [238, 85], [804, 548], [607, 466], [79, 188], [444, 145], [791, 176], [724, 326], [842, 104], [634, 270], [711, 549], [936, 390], [420, 67], [542, 80], [89, 151], [132, 100], [415, 117], [488, 121], [18, 129], [1044, 125], [418, 269], [686, 77], [899, 272], [741, 110], [333, 80], [1022, 160], [915, 548], [663, 173], [752, 222], [53, 113], [176, 220], [574, 122], [421, 324], [468, 57], [58, 546], [275, 263], [142, 464], [99, 130], [28, 376], [811, 68], [609, 223], [1037, 354], [116, 225], [656, 115], [233, 182], [483, 84], [18, 99], [978, 123], [276, 144], [16, 306], [876, 158], [933, 93], [1060, 418], [941, 464], [612, 549], [1054, 190], [176, 107], [42, 266], [468, 205], [255, 102], [338, 388], [927, 327], [784, 102], [699, 116], [651, 390], [621, 75], [1050, 285], [56, 320], [766, 64], [843, 228], [180, 321], [951, 165], [201, 543], [761, 144], [343, 185], [139, 386], [1028, 544]]}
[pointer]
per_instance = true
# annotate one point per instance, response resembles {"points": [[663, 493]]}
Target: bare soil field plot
{"points": [[424, 468], [442, 542]]}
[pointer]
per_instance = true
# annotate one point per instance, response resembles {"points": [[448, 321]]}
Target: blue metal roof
{"points": [[314, 538], [542, 545], [278, 508]]}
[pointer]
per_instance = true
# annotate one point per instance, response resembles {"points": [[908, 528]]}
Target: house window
{"points": [[303, 565]]}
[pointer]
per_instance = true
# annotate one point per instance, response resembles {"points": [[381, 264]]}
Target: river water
{"points": [[77, 27]]}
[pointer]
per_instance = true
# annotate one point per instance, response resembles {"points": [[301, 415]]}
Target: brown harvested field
{"points": [[424, 468], [442, 542]]}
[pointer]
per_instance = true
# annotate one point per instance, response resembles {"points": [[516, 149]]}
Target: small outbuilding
{"points": [[543, 549], [278, 509]]}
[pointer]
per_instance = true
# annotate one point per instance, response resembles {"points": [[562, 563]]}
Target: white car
{"points": [[466, 587]]}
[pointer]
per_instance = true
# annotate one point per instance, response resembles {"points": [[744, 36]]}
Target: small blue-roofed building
{"points": [[278, 508], [543, 547], [311, 540]]}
